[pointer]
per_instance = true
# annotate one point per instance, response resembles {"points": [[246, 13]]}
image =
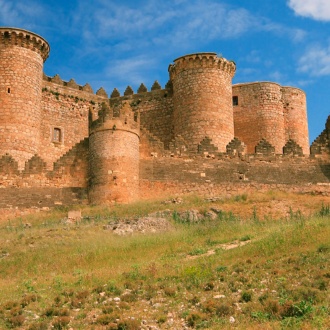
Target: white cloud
{"points": [[21, 14], [135, 68], [316, 9], [316, 61]]}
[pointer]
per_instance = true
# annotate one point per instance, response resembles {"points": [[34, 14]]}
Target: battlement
{"points": [[26, 39], [119, 117], [199, 131], [57, 82], [201, 60]]}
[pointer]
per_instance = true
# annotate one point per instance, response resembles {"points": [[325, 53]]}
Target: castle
{"points": [[62, 143]]}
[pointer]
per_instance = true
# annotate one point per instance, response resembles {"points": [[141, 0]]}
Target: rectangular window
{"points": [[235, 100], [57, 135]]}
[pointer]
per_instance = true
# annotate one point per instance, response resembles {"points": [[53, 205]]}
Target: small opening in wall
{"points": [[8, 90], [57, 135], [235, 100]]}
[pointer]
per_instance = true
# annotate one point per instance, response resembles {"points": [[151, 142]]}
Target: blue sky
{"points": [[119, 43]]}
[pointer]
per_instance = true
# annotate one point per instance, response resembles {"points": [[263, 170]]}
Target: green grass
{"points": [[63, 274]]}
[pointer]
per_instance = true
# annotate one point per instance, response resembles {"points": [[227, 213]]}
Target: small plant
{"points": [[245, 238], [221, 269], [17, 321], [61, 322], [197, 251], [246, 296], [129, 324], [325, 210], [323, 248], [194, 318], [170, 291]]}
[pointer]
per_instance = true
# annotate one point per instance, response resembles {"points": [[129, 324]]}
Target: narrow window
{"points": [[8, 90], [235, 100], [57, 135]]}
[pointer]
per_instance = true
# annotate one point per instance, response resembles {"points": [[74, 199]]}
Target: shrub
{"points": [[105, 319], [170, 292], [246, 296], [61, 322], [194, 318], [128, 297], [129, 324], [17, 321], [38, 326]]}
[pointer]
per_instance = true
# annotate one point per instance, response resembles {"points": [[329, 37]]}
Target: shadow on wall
{"points": [[325, 168]]}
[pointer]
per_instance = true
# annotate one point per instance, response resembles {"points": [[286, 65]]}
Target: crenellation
{"points": [[128, 91], [156, 86], [198, 134], [142, 89]]}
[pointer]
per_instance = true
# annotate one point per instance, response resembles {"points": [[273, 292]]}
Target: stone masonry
{"points": [[61, 143]]}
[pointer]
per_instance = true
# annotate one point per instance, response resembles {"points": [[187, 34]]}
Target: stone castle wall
{"points": [[155, 108], [199, 134], [65, 115]]}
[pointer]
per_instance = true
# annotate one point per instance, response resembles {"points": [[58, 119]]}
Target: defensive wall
{"points": [[63, 143]]}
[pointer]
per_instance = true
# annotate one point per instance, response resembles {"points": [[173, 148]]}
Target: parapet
{"points": [[57, 80], [26, 39], [201, 60], [120, 117]]}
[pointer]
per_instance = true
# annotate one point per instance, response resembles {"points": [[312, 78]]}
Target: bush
{"points": [[129, 324], [61, 322], [17, 321], [246, 296], [194, 318]]}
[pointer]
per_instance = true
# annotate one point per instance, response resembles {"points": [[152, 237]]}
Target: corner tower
{"points": [[202, 96], [114, 156], [295, 116], [22, 54]]}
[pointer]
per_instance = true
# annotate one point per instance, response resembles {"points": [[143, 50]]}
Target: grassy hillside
{"points": [[263, 262]]}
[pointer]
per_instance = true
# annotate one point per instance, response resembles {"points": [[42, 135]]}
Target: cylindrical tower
{"points": [[258, 114], [295, 116], [22, 54], [202, 97], [114, 156]]}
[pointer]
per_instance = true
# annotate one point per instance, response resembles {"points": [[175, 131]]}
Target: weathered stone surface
{"points": [[58, 136]]}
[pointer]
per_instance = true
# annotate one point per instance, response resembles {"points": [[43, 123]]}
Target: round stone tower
{"points": [[295, 114], [258, 114], [202, 97], [114, 156], [22, 54]]}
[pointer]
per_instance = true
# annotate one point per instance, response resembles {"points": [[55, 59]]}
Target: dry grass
{"points": [[82, 276]]}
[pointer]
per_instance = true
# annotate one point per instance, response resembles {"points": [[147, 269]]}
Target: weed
{"points": [[221, 269], [261, 316], [170, 291], [61, 322], [105, 319], [129, 324], [246, 296], [240, 198], [325, 210], [129, 297], [323, 248], [245, 238], [194, 318], [289, 309], [197, 251], [17, 321], [38, 326]]}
